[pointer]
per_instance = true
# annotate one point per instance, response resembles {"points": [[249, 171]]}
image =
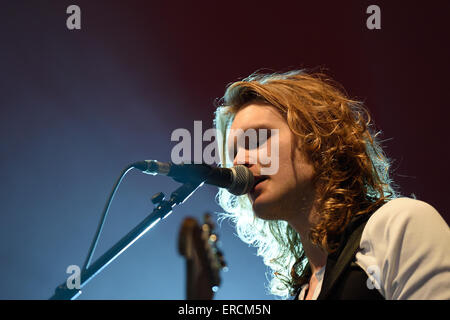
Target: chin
{"points": [[265, 210]]}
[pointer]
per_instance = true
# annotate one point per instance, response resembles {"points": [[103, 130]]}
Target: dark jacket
{"points": [[344, 279]]}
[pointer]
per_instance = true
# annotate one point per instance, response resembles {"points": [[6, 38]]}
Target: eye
{"points": [[249, 140], [263, 136]]}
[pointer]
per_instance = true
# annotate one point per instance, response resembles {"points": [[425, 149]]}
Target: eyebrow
{"points": [[262, 125]]}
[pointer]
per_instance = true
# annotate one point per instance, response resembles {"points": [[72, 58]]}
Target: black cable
{"points": [[102, 220]]}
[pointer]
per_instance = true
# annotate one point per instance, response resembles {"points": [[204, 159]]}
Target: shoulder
{"points": [[406, 241], [409, 223], [401, 213]]}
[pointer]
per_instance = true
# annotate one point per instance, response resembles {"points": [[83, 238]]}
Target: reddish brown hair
{"points": [[340, 141]]}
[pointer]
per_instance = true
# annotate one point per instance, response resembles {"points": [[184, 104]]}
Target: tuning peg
{"points": [[208, 220], [206, 228], [213, 238]]}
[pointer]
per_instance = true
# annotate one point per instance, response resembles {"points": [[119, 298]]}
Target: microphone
{"points": [[237, 180]]}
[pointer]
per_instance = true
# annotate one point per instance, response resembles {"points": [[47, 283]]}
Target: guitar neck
{"points": [[197, 286], [203, 260]]}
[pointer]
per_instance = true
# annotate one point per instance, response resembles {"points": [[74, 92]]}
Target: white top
{"points": [[319, 276], [404, 250]]}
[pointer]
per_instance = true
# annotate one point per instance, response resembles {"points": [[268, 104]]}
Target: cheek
{"points": [[295, 173], [303, 167], [283, 179], [285, 161], [282, 183]]}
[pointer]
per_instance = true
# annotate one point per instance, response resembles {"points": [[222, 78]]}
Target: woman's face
{"points": [[288, 191]]}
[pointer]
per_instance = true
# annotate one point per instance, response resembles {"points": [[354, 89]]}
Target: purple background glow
{"points": [[77, 106]]}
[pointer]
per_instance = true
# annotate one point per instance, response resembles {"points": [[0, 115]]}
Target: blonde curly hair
{"points": [[337, 135]]}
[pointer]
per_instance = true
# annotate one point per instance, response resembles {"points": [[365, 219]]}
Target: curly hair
{"points": [[338, 137]]}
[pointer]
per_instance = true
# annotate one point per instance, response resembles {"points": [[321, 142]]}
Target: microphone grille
{"points": [[242, 180]]}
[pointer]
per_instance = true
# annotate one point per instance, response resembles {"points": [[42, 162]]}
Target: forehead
{"points": [[257, 116]]}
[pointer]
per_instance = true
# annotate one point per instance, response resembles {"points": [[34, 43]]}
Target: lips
{"points": [[258, 180]]}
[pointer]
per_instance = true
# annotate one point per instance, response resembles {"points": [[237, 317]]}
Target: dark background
{"points": [[77, 106]]}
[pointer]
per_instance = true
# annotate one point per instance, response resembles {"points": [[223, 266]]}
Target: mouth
{"points": [[258, 180]]}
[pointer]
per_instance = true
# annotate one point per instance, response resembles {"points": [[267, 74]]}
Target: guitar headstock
{"points": [[204, 261]]}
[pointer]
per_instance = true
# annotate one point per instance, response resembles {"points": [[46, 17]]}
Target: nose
{"points": [[244, 157]]}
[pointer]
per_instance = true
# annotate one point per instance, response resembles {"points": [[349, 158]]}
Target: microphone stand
{"points": [[162, 210]]}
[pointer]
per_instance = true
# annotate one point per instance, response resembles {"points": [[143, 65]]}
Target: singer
{"points": [[330, 222]]}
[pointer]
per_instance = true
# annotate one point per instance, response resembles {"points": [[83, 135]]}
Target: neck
{"points": [[316, 255]]}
